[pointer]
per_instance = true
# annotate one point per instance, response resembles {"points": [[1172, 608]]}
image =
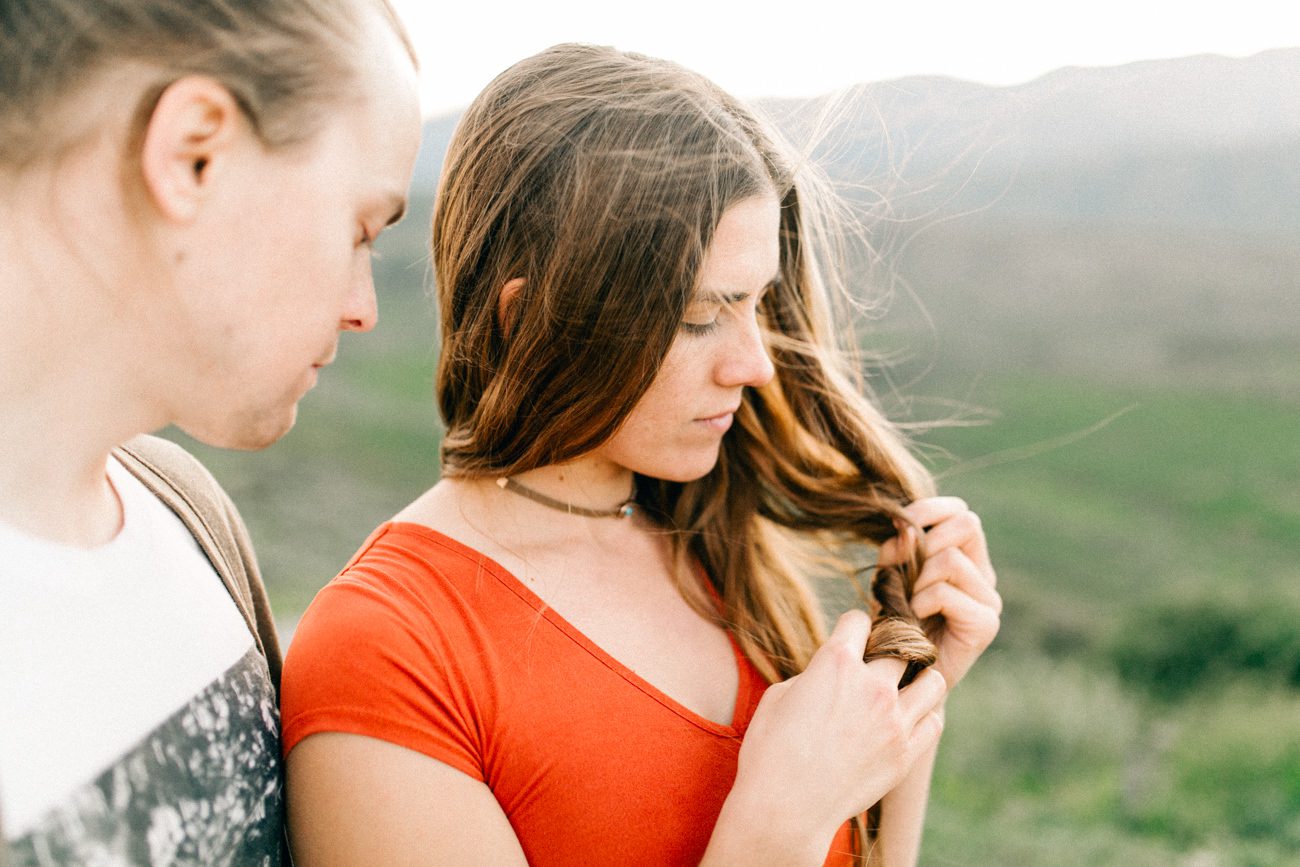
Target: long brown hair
{"points": [[598, 177]]}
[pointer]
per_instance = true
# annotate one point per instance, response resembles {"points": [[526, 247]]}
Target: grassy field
{"points": [[1142, 704]]}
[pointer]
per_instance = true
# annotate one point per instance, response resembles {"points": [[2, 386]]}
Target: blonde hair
{"points": [[282, 60], [599, 177]]}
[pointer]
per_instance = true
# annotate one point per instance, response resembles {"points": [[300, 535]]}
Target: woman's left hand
{"points": [[957, 581]]}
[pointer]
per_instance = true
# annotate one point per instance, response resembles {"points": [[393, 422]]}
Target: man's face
{"points": [[284, 265]]}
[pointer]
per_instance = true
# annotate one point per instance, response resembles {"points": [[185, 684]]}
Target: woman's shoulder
{"points": [[409, 577], [455, 517], [408, 566], [409, 592], [443, 514], [391, 640], [435, 567]]}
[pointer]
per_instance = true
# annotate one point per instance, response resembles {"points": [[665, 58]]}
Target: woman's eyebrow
{"points": [[709, 296]]}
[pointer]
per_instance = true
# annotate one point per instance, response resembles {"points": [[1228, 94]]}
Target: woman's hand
{"points": [[824, 746], [957, 581]]}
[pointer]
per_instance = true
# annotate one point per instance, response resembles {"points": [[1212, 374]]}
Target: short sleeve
{"points": [[371, 657]]}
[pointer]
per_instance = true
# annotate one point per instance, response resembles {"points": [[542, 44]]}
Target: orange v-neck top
{"points": [[426, 643]]}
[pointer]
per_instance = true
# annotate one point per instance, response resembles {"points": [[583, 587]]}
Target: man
{"points": [[188, 194]]}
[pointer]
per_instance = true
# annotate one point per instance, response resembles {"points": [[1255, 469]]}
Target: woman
{"points": [[554, 653]]}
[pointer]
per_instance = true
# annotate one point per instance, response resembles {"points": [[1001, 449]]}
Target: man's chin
{"points": [[247, 433]]}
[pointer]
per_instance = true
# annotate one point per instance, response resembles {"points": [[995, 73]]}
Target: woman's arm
{"points": [[957, 582], [356, 801], [902, 812]]}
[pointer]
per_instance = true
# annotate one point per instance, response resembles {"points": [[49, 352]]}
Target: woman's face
{"points": [[675, 430]]}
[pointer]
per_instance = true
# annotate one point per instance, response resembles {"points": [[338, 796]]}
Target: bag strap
{"points": [[189, 490]]}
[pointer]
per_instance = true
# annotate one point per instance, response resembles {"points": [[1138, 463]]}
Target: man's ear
{"points": [[506, 303], [190, 134]]}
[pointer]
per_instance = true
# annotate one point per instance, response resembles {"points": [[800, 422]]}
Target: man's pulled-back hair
{"points": [[282, 60]]}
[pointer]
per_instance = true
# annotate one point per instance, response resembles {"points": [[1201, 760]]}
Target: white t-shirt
{"points": [[138, 723]]}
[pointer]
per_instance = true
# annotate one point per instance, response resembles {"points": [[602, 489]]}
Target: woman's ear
{"points": [[506, 301], [190, 135]]}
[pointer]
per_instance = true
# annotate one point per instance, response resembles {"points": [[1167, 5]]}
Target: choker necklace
{"points": [[624, 509]]}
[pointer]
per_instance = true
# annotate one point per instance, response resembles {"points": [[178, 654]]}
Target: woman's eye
{"points": [[699, 327], [701, 318]]}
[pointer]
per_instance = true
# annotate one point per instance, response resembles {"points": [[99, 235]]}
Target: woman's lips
{"points": [[720, 422]]}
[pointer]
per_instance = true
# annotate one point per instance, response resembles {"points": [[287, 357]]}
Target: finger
{"points": [[953, 566], [892, 549], [888, 669], [889, 552], [925, 736], [931, 510], [923, 694], [963, 530], [896, 549], [964, 617], [851, 632]]}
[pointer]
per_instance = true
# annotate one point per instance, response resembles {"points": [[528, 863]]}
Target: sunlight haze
{"points": [[825, 45]]}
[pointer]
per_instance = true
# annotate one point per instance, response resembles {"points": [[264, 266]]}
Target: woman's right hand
{"points": [[824, 746]]}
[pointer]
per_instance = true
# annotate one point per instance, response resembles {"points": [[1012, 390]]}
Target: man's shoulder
{"points": [[165, 459], [178, 479], [182, 484]]}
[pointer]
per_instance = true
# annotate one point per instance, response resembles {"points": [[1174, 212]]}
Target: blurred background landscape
{"points": [[1094, 278]]}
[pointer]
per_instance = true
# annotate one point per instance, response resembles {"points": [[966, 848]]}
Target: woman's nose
{"points": [[746, 360]]}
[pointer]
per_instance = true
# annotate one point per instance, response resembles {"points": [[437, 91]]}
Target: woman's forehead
{"points": [[745, 254]]}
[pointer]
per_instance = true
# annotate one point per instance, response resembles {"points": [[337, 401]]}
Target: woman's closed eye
{"points": [[701, 317]]}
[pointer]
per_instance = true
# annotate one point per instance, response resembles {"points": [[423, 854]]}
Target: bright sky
{"points": [[814, 46]]}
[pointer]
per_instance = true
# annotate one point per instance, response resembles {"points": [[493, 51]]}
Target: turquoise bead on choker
{"points": [[625, 509]]}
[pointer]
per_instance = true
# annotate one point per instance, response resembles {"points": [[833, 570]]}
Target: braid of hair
{"points": [[896, 631]]}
